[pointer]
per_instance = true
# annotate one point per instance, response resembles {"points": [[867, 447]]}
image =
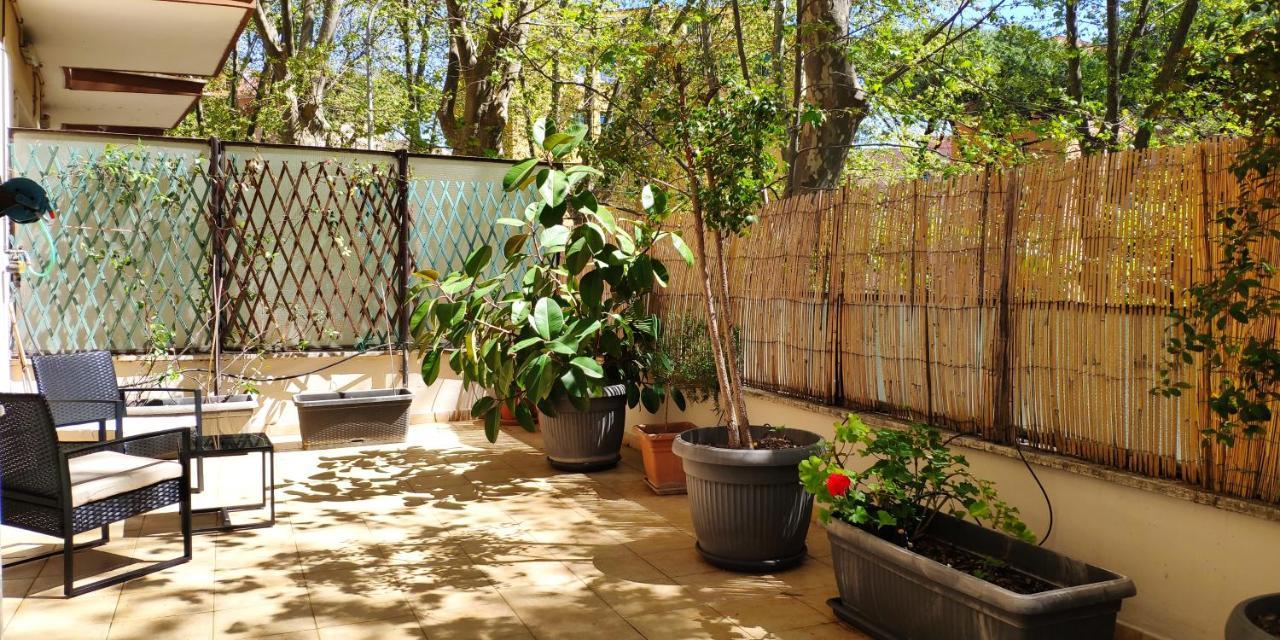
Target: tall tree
{"points": [[832, 84], [298, 35], [481, 73]]}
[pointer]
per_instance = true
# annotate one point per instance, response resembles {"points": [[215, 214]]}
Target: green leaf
{"points": [[886, 519], [553, 186], [420, 313], [456, 285], [525, 417], [547, 318], [519, 311], [483, 406], [588, 366], [651, 399], [491, 423], [562, 144], [591, 287], [540, 130], [514, 245], [682, 248], [510, 222], [478, 260], [517, 175], [430, 366], [556, 236]]}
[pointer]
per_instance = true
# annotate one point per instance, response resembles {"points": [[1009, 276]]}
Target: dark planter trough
{"points": [[346, 418], [892, 593], [1241, 625], [749, 510], [586, 440]]}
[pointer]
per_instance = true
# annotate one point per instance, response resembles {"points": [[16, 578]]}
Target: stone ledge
{"points": [[1170, 488]]}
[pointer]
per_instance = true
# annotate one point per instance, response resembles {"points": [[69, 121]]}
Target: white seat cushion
{"points": [[133, 425], [100, 475]]}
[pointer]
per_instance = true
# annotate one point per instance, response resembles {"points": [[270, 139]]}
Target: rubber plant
{"points": [[556, 312]]}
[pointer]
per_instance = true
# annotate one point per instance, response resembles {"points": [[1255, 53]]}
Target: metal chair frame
{"points": [[35, 494]]}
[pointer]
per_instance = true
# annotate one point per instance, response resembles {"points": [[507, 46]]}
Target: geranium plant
{"points": [[556, 312], [911, 478]]}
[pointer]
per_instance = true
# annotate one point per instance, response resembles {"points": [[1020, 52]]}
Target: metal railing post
{"points": [[217, 216], [404, 260]]}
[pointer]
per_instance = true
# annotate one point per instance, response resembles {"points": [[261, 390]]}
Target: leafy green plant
{"points": [[1228, 322], [912, 477], [684, 366], [561, 316]]}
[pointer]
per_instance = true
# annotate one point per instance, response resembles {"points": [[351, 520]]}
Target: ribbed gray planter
{"points": [[892, 593], [587, 440], [749, 510], [1240, 625]]}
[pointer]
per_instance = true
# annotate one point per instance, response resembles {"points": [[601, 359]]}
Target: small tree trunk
{"points": [[730, 354]]}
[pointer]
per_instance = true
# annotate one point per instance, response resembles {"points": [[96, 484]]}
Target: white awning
{"points": [[128, 64]]}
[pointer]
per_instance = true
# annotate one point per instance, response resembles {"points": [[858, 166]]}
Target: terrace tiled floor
{"points": [[445, 537]]}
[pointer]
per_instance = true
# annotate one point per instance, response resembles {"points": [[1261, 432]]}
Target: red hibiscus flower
{"points": [[838, 484]]}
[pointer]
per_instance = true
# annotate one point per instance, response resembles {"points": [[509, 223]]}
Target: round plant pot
{"points": [[749, 510], [1241, 623], [586, 440]]}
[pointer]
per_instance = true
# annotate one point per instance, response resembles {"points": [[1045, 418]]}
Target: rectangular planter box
{"points": [[893, 593], [346, 418]]}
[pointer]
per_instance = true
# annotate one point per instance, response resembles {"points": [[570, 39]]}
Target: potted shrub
{"points": [[917, 531], [748, 511], [552, 321], [683, 366]]}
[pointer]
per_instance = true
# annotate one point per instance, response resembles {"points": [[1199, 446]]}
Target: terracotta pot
{"points": [[662, 469], [508, 419]]}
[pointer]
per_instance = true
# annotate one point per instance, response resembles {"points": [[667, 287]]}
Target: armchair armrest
{"points": [[157, 444]]}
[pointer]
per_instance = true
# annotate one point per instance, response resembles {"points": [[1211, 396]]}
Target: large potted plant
{"points": [[917, 531], [552, 321], [748, 511], [685, 369]]}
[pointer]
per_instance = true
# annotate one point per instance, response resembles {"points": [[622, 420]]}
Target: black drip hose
{"points": [[1017, 445]]}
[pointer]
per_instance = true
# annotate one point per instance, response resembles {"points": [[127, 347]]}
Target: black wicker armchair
{"points": [[66, 490], [81, 388]]}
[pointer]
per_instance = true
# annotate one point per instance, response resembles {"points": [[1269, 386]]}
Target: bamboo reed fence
{"points": [[1028, 304]]}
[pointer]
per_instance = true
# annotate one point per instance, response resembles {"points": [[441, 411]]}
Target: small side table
{"points": [[239, 444]]}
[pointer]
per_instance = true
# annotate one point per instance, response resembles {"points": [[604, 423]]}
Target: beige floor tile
{"points": [[760, 616], [190, 626], [721, 585], [828, 631], [238, 588], [405, 628], [695, 623], [160, 595], [263, 620], [678, 562], [349, 597], [567, 612], [449, 537]]}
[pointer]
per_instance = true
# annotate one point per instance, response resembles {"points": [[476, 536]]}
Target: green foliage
{"points": [[1228, 321], [912, 477], [684, 365], [555, 314]]}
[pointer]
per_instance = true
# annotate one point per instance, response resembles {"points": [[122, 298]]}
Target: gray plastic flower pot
{"points": [[892, 593], [586, 440], [1240, 624], [750, 512]]}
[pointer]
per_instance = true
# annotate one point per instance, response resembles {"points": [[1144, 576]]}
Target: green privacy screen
{"points": [[309, 256]]}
